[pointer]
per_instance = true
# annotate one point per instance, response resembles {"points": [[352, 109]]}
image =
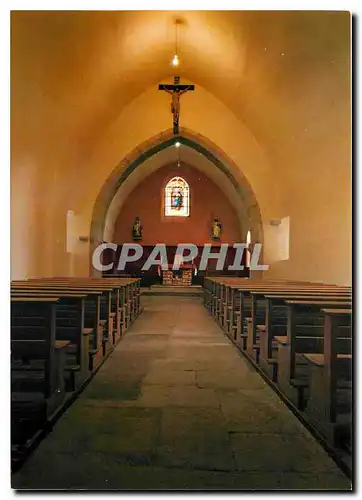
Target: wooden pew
{"points": [[129, 297], [207, 289], [129, 303], [82, 309], [233, 315], [104, 332], [123, 307], [37, 363], [251, 297], [276, 323], [129, 289], [263, 306], [220, 299], [96, 316], [70, 326], [302, 337], [77, 285], [330, 397], [258, 303]]}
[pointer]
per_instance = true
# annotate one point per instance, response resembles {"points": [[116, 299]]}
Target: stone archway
{"points": [[144, 151]]}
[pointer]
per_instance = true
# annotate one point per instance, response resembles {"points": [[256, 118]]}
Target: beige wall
{"points": [[283, 120]]}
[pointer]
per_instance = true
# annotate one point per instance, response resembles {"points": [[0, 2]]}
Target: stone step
{"points": [[184, 291]]}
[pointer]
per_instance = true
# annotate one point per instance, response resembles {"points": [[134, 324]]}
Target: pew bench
{"points": [[330, 402], [58, 331], [97, 311], [259, 300], [37, 367], [70, 326], [303, 336], [276, 324], [119, 311], [256, 315]]}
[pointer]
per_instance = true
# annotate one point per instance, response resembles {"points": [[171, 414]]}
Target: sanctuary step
{"points": [[174, 290]]}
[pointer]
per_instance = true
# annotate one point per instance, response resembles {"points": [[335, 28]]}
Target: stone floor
{"points": [[177, 407]]}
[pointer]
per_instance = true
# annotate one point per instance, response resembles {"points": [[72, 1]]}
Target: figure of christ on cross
{"points": [[176, 90]]}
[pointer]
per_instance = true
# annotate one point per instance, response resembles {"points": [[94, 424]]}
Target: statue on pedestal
{"points": [[216, 229], [137, 230]]}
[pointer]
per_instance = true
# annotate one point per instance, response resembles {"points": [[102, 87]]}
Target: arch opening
{"points": [[249, 213]]}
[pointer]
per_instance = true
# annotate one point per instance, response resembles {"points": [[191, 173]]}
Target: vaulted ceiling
{"points": [[89, 65]]}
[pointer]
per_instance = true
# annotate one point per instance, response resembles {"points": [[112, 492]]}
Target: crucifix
{"points": [[176, 90]]}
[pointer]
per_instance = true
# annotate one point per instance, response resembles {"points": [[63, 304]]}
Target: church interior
{"points": [[149, 129]]}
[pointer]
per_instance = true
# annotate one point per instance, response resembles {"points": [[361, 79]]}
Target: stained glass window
{"points": [[177, 198]]}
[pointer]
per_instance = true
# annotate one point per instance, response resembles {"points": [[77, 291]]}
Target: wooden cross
{"points": [[176, 90]]}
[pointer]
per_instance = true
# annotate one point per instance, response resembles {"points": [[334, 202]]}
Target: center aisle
{"points": [[177, 407]]}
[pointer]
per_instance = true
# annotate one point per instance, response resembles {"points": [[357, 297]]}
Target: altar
{"points": [[180, 277]]}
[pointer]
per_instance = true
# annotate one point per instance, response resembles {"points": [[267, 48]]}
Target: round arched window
{"points": [[177, 198]]}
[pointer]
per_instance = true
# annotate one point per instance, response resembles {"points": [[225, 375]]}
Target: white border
{"points": [[353, 6]]}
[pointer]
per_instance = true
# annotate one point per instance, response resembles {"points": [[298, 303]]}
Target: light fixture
{"points": [[176, 60], [177, 144]]}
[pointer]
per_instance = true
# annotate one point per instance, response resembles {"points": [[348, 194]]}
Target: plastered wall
{"points": [[283, 118]]}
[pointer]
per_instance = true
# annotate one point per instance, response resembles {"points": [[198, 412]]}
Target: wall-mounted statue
{"points": [[216, 229], [137, 229]]}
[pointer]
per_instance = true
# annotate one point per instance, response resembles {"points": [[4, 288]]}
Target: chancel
{"points": [[181, 240]]}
